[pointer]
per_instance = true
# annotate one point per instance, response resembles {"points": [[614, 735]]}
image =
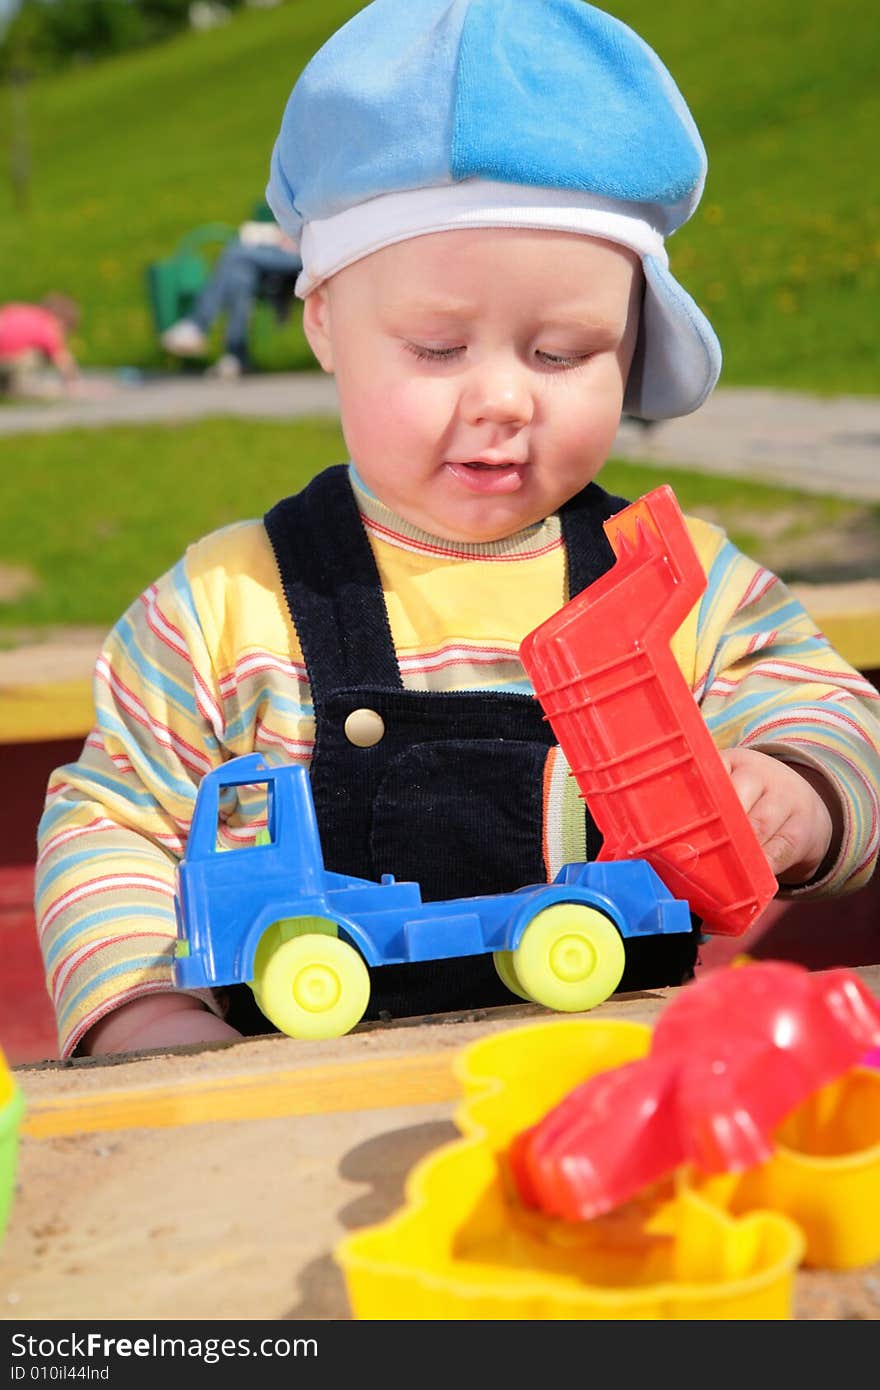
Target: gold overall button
{"points": [[364, 728]]}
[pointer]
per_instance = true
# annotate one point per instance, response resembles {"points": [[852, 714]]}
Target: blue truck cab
{"points": [[304, 938]]}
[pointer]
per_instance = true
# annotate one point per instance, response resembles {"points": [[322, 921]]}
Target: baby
{"points": [[480, 192]]}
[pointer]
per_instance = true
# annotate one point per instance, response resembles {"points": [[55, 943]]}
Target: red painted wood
{"points": [[820, 934], [27, 1020], [27, 767]]}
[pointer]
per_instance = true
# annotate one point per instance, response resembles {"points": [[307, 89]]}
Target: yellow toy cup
{"points": [[824, 1173]]}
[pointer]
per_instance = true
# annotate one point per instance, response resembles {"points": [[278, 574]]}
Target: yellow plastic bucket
{"points": [[464, 1246]]}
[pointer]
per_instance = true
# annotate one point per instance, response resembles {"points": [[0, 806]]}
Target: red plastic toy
{"points": [[729, 1058], [631, 730]]}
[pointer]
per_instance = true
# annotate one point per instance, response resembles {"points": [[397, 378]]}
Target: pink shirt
{"points": [[25, 327]]}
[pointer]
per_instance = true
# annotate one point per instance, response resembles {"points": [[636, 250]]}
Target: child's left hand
{"points": [[793, 811]]}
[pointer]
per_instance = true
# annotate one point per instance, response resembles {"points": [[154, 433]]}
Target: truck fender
{"points": [[549, 897], [346, 928]]}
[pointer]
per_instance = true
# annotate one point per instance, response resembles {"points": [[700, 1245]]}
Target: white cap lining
{"points": [[330, 243]]}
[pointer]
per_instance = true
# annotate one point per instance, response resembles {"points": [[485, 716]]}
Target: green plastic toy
{"points": [[11, 1107]]}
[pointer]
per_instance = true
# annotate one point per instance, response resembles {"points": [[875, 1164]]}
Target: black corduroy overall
{"points": [[451, 795]]}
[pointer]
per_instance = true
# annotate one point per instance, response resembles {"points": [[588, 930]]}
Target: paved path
{"points": [[819, 445]]}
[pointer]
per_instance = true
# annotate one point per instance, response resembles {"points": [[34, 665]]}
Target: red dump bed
{"points": [[631, 730]]}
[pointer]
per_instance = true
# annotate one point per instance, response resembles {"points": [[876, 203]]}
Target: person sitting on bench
{"points": [[259, 263]]}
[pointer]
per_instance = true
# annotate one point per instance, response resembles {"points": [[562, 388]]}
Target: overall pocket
{"points": [[462, 817]]}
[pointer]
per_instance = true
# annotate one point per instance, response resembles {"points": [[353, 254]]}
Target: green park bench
{"points": [[174, 284]]}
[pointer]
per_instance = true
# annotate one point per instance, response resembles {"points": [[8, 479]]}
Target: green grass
{"points": [[129, 155], [784, 253], [96, 515], [91, 517]]}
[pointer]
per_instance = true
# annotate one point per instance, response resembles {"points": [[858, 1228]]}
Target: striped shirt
{"points": [[206, 665]]}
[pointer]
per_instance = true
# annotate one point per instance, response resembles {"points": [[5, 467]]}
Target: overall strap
{"points": [[332, 586], [587, 547]]}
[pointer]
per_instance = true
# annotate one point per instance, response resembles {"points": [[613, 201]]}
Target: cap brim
{"points": [[677, 360]]}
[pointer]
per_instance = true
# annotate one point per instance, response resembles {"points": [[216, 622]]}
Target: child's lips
{"points": [[488, 475]]}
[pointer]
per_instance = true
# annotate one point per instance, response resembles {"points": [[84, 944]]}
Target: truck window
{"points": [[245, 817]]}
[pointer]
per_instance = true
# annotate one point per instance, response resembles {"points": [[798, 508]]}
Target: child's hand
{"points": [[792, 809], [156, 1021]]}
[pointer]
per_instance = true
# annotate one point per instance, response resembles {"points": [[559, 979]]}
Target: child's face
{"points": [[480, 373]]}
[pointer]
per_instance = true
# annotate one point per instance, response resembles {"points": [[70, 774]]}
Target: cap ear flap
{"points": [[677, 359], [316, 326]]}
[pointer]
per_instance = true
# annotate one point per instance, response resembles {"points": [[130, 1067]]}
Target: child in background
{"points": [[480, 192], [33, 334]]}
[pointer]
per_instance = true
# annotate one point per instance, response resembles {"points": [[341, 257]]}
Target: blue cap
{"points": [[424, 115]]}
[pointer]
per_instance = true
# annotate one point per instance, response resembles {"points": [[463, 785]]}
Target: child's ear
{"points": [[316, 326]]}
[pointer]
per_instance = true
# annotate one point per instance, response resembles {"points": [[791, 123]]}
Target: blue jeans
{"points": [[235, 285]]}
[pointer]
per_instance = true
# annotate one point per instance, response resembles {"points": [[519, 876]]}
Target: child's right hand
{"points": [[794, 811], [155, 1021]]}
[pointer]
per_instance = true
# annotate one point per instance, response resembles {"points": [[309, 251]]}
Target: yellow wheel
{"points": [[570, 958], [280, 931], [507, 973], [312, 986], [268, 942]]}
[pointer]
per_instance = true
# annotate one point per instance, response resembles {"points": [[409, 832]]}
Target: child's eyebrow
{"points": [[444, 309], [587, 321], [582, 319]]}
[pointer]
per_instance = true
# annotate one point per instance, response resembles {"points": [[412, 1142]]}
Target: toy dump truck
{"points": [[676, 836], [303, 937]]}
